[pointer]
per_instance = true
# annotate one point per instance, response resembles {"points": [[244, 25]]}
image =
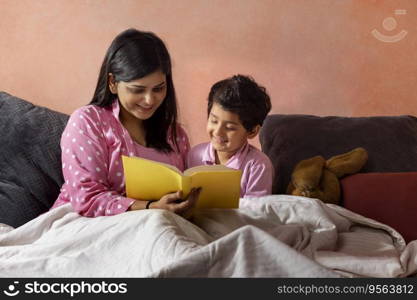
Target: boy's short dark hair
{"points": [[241, 95]]}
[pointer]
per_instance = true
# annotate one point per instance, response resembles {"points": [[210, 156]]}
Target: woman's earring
{"points": [[112, 83], [113, 88]]}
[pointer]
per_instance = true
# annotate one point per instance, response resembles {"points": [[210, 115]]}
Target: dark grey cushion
{"points": [[391, 142], [30, 159]]}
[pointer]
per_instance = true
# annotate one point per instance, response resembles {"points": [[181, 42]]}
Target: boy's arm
{"points": [[260, 177]]}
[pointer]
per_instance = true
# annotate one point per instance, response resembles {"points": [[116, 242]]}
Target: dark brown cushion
{"points": [[391, 142]]}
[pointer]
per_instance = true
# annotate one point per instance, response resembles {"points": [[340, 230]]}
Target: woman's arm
{"points": [[85, 163], [173, 202]]}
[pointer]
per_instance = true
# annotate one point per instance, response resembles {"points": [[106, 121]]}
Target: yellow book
{"points": [[148, 180]]}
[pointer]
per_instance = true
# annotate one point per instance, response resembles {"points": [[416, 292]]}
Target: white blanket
{"points": [[272, 236]]}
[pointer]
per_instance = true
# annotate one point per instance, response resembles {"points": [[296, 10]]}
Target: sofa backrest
{"points": [[30, 159], [391, 142]]}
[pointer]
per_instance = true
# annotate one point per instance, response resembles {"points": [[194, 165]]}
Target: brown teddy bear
{"points": [[317, 178]]}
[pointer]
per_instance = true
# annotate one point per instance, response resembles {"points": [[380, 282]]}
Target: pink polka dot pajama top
{"points": [[92, 145]]}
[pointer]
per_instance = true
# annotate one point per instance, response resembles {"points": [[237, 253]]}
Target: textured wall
{"points": [[314, 56]]}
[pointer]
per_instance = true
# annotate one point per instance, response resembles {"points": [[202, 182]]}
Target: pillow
{"points": [[30, 159], [390, 198], [391, 142]]}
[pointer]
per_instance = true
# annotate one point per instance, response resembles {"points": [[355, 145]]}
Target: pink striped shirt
{"points": [[257, 170], [92, 144]]}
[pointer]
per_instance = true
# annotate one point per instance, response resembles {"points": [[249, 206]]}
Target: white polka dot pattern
{"points": [[92, 165]]}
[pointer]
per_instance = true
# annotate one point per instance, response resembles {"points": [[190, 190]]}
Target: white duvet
{"points": [[272, 236]]}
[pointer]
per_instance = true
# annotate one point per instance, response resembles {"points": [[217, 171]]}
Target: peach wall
{"points": [[313, 56]]}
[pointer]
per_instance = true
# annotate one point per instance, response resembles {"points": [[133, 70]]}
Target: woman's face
{"points": [[140, 98]]}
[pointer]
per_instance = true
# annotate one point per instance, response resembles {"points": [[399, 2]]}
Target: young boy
{"points": [[237, 107]]}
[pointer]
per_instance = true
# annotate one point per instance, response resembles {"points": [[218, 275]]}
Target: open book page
{"points": [[220, 186], [149, 180], [174, 168]]}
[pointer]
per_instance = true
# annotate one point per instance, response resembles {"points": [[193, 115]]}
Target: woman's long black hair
{"points": [[134, 54]]}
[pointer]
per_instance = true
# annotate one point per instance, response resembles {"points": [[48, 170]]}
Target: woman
{"points": [[133, 112]]}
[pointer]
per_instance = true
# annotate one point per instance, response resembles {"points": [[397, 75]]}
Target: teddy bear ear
{"points": [[347, 163]]}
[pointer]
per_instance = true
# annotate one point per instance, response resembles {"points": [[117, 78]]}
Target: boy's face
{"points": [[225, 130]]}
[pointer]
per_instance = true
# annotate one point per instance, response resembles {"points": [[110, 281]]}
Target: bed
{"points": [[272, 236]]}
